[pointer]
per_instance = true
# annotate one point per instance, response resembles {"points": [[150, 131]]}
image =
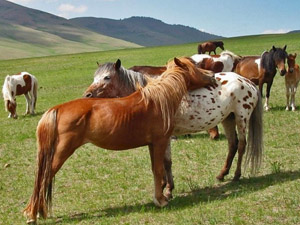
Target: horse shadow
{"points": [[198, 195]]}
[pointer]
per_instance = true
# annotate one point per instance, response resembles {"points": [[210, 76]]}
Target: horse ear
{"points": [[98, 64], [273, 47], [117, 65], [284, 48], [295, 55], [179, 63]]}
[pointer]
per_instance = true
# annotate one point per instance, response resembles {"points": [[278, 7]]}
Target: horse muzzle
{"points": [[282, 72]]}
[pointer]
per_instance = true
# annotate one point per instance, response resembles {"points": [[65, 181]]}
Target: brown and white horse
{"points": [[292, 79], [233, 100], [113, 124], [262, 69], [22, 83], [225, 62], [210, 46]]}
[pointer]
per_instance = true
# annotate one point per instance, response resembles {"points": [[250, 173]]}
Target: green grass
{"points": [[97, 186]]}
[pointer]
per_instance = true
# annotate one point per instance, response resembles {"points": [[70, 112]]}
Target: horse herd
{"points": [[146, 105]]}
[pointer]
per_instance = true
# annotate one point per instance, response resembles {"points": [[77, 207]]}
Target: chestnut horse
{"points": [[210, 46], [262, 69], [292, 79], [233, 100], [20, 84], [113, 124]]}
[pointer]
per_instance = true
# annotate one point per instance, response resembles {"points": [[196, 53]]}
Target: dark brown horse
{"points": [[210, 46], [115, 124], [262, 69]]}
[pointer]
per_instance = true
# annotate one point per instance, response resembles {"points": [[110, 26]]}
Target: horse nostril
{"points": [[88, 95]]}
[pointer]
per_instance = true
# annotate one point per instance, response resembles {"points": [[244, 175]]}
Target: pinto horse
{"points": [[210, 46], [262, 69], [225, 62], [21, 84], [113, 124], [233, 100], [292, 79]]}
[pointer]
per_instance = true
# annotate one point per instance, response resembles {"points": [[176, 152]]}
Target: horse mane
{"points": [[166, 92], [218, 43], [7, 90], [231, 54]]}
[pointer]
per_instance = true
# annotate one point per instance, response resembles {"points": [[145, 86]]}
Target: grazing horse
{"points": [[113, 124], [210, 46], [262, 69], [21, 84], [291, 81], [233, 100]]}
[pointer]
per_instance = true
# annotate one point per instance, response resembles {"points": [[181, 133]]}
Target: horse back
{"points": [[249, 67], [150, 70]]}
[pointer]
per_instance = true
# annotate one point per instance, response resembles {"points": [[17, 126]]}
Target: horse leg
{"points": [[241, 127], [157, 153], [33, 100], [230, 132], [293, 98], [269, 85], [214, 133], [168, 169], [28, 103], [287, 98]]}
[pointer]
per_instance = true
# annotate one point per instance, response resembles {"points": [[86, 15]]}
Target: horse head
{"points": [[279, 57], [111, 80], [291, 61], [195, 77], [11, 106]]}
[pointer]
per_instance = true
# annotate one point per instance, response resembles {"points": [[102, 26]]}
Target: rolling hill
{"points": [[144, 30], [26, 32]]}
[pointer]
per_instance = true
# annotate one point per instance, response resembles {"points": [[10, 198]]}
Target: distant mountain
{"points": [[144, 30], [294, 31], [26, 32]]}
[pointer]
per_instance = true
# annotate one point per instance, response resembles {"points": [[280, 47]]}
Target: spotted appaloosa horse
{"points": [[22, 83], [292, 79], [210, 46], [113, 124], [262, 69], [234, 101]]}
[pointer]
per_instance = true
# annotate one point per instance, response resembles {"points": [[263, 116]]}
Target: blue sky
{"points": [[227, 18]]}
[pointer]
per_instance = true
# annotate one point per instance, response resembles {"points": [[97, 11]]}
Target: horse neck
{"points": [[268, 62], [7, 90], [166, 93], [132, 80]]}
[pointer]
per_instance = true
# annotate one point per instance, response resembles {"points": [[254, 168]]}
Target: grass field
{"points": [[97, 186]]}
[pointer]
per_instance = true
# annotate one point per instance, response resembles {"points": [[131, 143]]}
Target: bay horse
{"points": [[210, 46], [262, 69], [23, 83], [292, 79], [113, 124], [233, 101]]}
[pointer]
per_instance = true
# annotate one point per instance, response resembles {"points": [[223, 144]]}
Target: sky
{"points": [[227, 18]]}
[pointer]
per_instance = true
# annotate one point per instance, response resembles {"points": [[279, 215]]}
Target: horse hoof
{"points": [[160, 203], [31, 221], [236, 178], [168, 195], [220, 178]]}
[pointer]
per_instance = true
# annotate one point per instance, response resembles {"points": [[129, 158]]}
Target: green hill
{"points": [[26, 32]]}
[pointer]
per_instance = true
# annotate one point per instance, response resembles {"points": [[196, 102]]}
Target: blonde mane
{"points": [[231, 54], [167, 91]]}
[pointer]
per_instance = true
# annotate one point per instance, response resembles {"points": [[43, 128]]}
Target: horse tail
{"points": [[255, 137], [35, 87], [41, 198]]}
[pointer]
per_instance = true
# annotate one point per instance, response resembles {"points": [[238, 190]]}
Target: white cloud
{"points": [[68, 8], [279, 31]]}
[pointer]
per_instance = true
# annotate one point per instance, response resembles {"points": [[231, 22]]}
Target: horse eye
{"points": [[107, 78]]}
